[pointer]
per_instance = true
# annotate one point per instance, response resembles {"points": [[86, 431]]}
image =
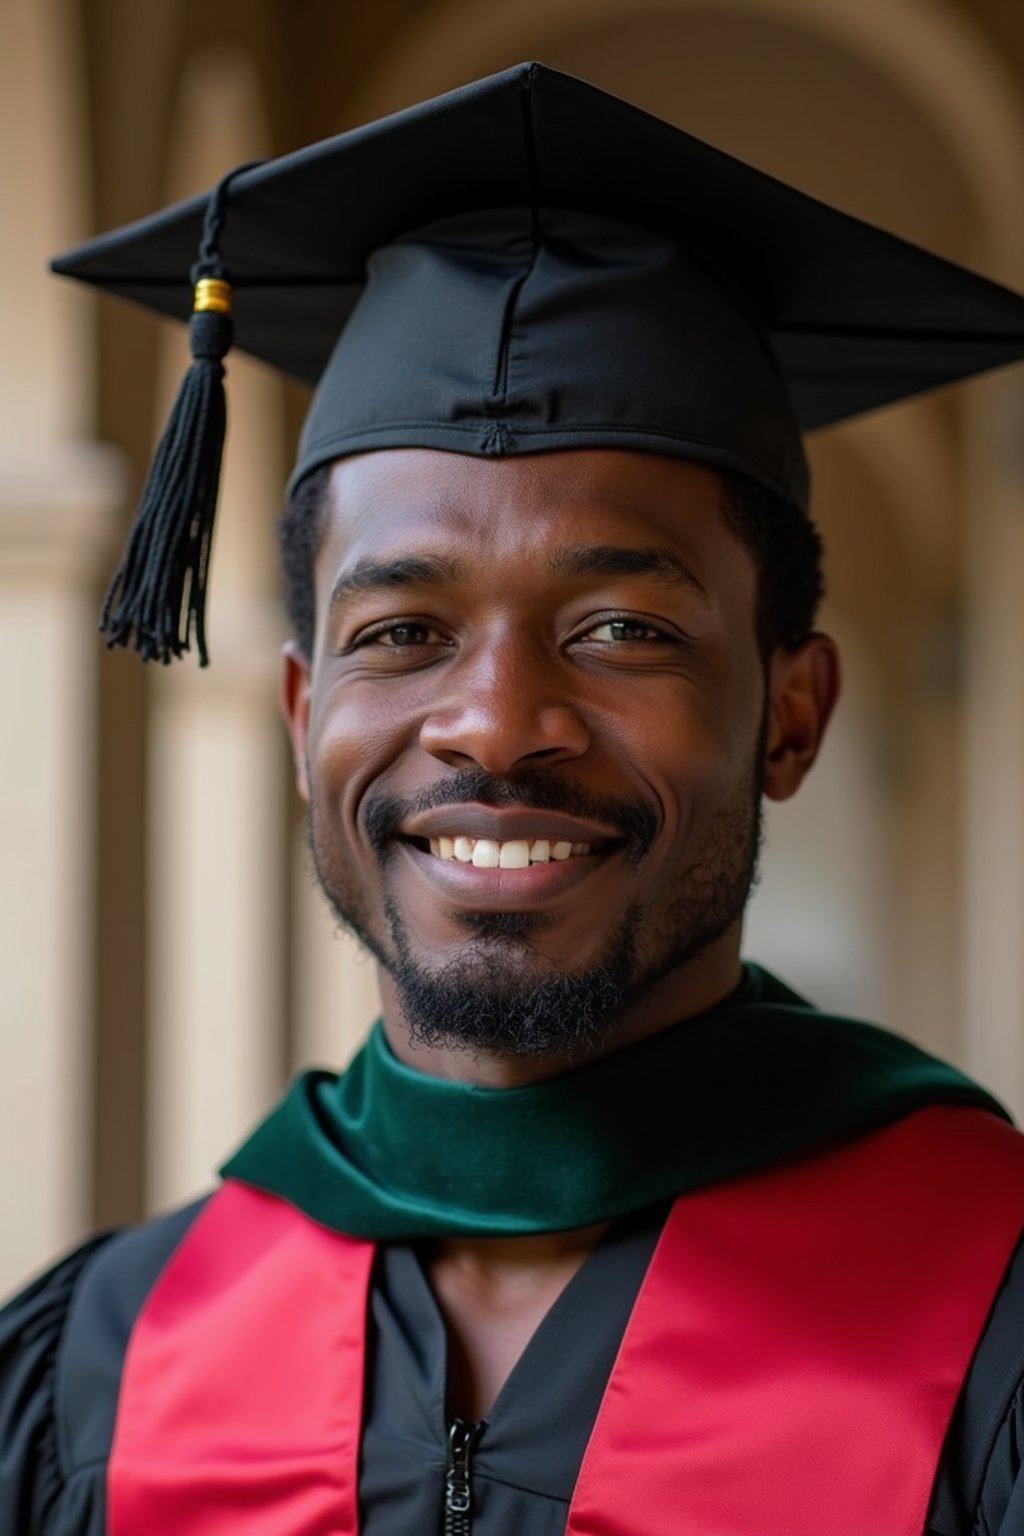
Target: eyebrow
{"points": [[404, 571], [627, 560], [369, 575]]}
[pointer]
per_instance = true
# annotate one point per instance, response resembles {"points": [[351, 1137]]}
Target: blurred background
{"points": [[164, 961]]}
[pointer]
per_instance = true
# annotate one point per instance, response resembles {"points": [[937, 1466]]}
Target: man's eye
{"points": [[401, 636], [612, 630]]}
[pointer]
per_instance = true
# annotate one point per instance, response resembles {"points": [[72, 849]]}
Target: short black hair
{"points": [[784, 543], [299, 530], [788, 555]]}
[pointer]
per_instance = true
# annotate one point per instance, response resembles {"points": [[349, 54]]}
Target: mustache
{"points": [[631, 818]]}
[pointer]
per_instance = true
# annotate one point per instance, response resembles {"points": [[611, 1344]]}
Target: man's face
{"points": [[532, 734]]}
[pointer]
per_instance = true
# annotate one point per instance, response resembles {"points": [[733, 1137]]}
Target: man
{"points": [[603, 1231]]}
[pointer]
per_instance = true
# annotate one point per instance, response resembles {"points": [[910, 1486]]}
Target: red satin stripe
{"points": [[241, 1399], [795, 1353]]}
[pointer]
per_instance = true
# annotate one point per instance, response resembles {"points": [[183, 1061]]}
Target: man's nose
{"points": [[505, 707]]}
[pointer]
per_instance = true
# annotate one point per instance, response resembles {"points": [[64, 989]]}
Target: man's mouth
{"points": [[506, 837], [501, 858], [512, 853]]}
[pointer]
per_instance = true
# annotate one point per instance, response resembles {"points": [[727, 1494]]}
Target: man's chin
{"points": [[562, 1017], [499, 995]]}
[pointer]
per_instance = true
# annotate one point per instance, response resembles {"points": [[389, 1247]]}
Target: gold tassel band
{"points": [[212, 293]]}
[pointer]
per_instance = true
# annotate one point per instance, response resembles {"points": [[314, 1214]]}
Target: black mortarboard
{"points": [[524, 264]]}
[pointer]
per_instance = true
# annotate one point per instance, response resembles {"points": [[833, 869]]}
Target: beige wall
{"points": [[165, 962]]}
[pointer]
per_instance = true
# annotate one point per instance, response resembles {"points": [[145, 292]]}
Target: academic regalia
{"points": [[57, 1412], [63, 1342]]}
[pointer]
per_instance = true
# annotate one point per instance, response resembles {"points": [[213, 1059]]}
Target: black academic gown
{"points": [[62, 1344]]}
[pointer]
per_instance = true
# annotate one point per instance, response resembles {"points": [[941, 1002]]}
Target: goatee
{"points": [[500, 994]]}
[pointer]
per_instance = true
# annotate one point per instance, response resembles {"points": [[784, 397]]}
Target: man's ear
{"points": [[803, 685], [293, 697]]}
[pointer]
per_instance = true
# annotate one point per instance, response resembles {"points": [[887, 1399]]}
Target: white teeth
{"points": [[514, 856], [517, 853]]}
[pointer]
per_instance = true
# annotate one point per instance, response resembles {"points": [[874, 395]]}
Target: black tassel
{"points": [[156, 601]]}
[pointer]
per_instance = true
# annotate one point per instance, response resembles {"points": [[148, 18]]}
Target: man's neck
{"points": [[493, 1293]]}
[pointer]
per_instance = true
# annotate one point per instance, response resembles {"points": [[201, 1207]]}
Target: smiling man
{"points": [[550, 846], [603, 1231]]}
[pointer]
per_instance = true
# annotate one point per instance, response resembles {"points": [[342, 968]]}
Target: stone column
{"points": [[57, 504], [993, 1009], [218, 904], [55, 519]]}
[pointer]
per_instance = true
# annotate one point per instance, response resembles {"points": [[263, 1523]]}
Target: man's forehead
{"points": [[424, 500], [479, 496]]}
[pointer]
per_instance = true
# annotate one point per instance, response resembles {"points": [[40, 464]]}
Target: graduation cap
{"points": [[521, 265]]}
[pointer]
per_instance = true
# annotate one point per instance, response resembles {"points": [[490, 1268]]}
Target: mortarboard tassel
{"points": [[157, 598]]}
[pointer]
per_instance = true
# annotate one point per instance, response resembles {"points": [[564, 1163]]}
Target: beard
{"points": [[500, 995]]}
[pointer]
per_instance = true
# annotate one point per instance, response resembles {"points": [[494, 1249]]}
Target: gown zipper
{"points": [[458, 1472]]}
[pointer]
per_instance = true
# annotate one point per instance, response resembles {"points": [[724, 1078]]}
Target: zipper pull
{"points": [[458, 1489]]}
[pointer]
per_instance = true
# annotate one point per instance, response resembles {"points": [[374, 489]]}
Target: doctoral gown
{"points": [[62, 1344]]}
